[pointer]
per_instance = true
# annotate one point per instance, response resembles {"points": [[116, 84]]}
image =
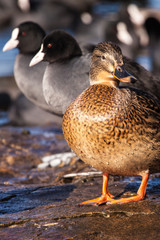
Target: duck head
{"points": [[27, 37], [57, 46], [107, 66]]}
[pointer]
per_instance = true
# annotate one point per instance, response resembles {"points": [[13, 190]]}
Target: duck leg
{"points": [[106, 196], [140, 193]]}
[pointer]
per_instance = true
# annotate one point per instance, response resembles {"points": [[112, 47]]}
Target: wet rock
{"points": [[42, 204], [52, 212], [19, 150]]}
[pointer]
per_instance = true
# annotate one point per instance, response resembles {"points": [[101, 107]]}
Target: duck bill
{"points": [[124, 76], [13, 42], [37, 58]]}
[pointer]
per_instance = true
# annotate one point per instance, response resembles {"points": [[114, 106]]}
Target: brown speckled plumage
{"points": [[116, 130]]}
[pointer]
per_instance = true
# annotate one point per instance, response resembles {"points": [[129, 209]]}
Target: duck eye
{"points": [[24, 34], [119, 69], [49, 45], [103, 57]]}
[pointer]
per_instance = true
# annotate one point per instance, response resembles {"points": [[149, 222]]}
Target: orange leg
{"points": [[106, 196], [140, 193]]}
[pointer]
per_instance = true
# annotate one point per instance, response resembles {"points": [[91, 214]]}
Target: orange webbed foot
{"points": [[105, 197], [126, 200], [98, 201], [140, 194]]}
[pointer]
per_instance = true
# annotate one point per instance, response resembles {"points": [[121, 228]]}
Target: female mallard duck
{"points": [[116, 130]]}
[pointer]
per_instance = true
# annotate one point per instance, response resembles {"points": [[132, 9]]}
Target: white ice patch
{"points": [[57, 159], [71, 175]]}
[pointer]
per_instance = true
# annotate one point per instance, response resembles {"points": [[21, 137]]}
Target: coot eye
{"points": [[49, 45], [24, 34]]}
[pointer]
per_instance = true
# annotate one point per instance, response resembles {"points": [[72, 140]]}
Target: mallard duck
{"points": [[114, 129]]}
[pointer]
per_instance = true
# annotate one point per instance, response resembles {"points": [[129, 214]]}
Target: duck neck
{"points": [[103, 77]]}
